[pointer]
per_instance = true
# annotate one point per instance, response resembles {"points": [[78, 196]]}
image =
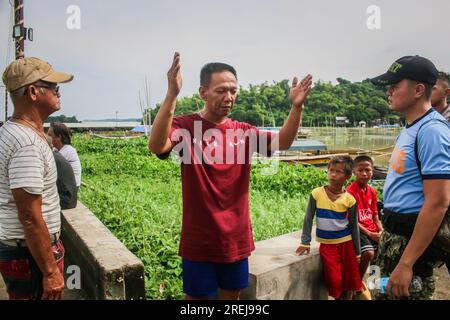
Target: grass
{"points": [[138, 197]]}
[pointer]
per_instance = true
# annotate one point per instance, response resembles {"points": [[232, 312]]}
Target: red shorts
{"points": [[340, 268]]}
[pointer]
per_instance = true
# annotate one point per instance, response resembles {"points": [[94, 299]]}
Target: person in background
{"points": [[67, 186], [439, 96], [62, 141], [439, 101]]}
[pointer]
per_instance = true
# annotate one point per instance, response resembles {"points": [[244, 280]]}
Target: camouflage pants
{"points": [[390, 251]]}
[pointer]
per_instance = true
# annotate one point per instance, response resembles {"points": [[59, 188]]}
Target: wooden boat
{"points": [[350, 151], [303, 134], [117, 135], [301, 145], [379, 173], [320, 160]]}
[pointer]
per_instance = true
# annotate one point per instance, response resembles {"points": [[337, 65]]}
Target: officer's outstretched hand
{"points": [[174, 77]]}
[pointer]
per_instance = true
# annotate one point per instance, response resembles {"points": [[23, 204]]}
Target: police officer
{"points": [[417, 188]]}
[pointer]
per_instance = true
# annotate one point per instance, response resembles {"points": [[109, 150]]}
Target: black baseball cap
{"points": [[414, 68]]}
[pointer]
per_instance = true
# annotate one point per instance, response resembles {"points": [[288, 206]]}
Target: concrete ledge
{"points": [[108, 269], [277, 274], [3, 293]]}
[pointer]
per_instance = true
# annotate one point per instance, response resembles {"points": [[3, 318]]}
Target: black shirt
{"points": [[67, 187]]}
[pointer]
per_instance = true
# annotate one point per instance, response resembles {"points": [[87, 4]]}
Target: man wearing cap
{"points": [[31, 254], [440, 93], [417, 188]]}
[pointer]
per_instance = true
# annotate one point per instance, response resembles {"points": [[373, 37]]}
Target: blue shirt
{"points": [[403, 188]]}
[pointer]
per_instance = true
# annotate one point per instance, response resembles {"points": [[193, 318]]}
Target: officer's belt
{"points": [[403, 225], [398, 223]]}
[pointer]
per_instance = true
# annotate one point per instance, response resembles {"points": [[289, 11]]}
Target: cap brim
{"points": [[58, 77], [385, 79]]}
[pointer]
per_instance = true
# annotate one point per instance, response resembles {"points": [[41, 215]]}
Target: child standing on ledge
{"points": [[337, 230]]}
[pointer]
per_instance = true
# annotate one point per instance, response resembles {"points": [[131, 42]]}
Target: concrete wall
{"points": [[108, 269], [3, 293], [277, 274]]}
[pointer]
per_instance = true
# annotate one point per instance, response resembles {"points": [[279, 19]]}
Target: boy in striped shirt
{"points": [[337, 230]]}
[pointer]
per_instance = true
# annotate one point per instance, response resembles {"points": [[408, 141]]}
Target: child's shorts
{"points": [[340, 268], [367, 244], [203, 279]]}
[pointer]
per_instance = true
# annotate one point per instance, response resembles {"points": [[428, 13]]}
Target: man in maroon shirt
{"points": [[215, 153]]}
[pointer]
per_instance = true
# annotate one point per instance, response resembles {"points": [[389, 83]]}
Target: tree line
{"points": [[62, 118], [268, 104]]}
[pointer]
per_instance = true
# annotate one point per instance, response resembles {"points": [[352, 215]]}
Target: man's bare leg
{"points": [[366, 258], [346, 295], [229, 294]]}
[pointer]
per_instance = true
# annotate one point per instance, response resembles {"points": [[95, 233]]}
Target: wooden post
{"points": [[18, 20]]}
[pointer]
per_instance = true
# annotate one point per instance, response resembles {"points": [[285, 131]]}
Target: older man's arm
{"points": [[159, 142], [38, 242], [299, 92]]}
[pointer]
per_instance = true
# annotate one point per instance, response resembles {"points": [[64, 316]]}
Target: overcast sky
{"points": [[120, 42]]}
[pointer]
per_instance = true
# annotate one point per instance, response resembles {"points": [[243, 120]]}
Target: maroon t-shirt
{"points": [[215, 173]]}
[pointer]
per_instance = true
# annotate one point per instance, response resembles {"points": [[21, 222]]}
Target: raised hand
{"points": [[174, 77], [300, 90]]}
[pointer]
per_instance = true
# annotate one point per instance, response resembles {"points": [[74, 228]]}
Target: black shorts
{"points": [[367, 244]]}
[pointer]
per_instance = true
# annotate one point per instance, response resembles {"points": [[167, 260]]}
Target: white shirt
{"points": [[26, 161], [71, 155]]}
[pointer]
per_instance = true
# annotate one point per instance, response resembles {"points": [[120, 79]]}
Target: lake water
{"points": [[359, 138]]}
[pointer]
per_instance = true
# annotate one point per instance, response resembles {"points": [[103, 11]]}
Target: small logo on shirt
{"points": [[232, 144], [397, 162], [365, 214]]}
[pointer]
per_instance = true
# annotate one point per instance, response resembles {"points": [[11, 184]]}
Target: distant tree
{"points": [[62, 118]]}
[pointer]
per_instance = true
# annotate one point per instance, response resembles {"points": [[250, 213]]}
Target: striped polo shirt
{"points": [[26, 161], [331, 217]]}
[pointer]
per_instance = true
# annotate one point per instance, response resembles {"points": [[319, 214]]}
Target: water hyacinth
{"points": [[138, 197]]}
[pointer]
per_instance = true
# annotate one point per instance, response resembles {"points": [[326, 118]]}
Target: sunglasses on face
{"points": [[55, 89]]}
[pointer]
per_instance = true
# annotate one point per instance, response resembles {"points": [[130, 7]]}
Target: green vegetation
{"points": [[268, 104], [138, 197]]}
